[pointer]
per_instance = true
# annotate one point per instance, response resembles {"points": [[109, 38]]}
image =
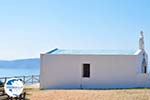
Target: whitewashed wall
{"points": [[59, 71], [140, 59], [107, 71], [143, 80]]}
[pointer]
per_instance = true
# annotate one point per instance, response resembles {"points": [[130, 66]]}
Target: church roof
{"points": [[94, 52]]}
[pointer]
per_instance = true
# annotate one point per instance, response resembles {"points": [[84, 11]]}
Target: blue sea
{"points": [[9, 72]]}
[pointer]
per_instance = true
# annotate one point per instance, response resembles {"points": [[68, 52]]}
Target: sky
{"points": [[31, 27]]}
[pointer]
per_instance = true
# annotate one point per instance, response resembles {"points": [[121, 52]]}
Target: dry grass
{"points": [[125, 94]]}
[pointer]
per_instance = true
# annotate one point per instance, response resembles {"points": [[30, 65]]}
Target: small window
{"points": [[145, 69], [86, 70]]}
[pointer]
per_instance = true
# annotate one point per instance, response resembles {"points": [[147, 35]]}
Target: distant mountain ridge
{"points": [[21, 63]]}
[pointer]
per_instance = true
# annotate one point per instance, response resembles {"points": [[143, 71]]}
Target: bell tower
{"points": [[141, 41], [144, 54]]}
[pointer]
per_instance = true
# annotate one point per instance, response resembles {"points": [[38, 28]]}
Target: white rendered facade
{"points": [[106, 70]]}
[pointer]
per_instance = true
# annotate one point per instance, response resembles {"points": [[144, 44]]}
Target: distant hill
{"points": [[21, 63]]}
